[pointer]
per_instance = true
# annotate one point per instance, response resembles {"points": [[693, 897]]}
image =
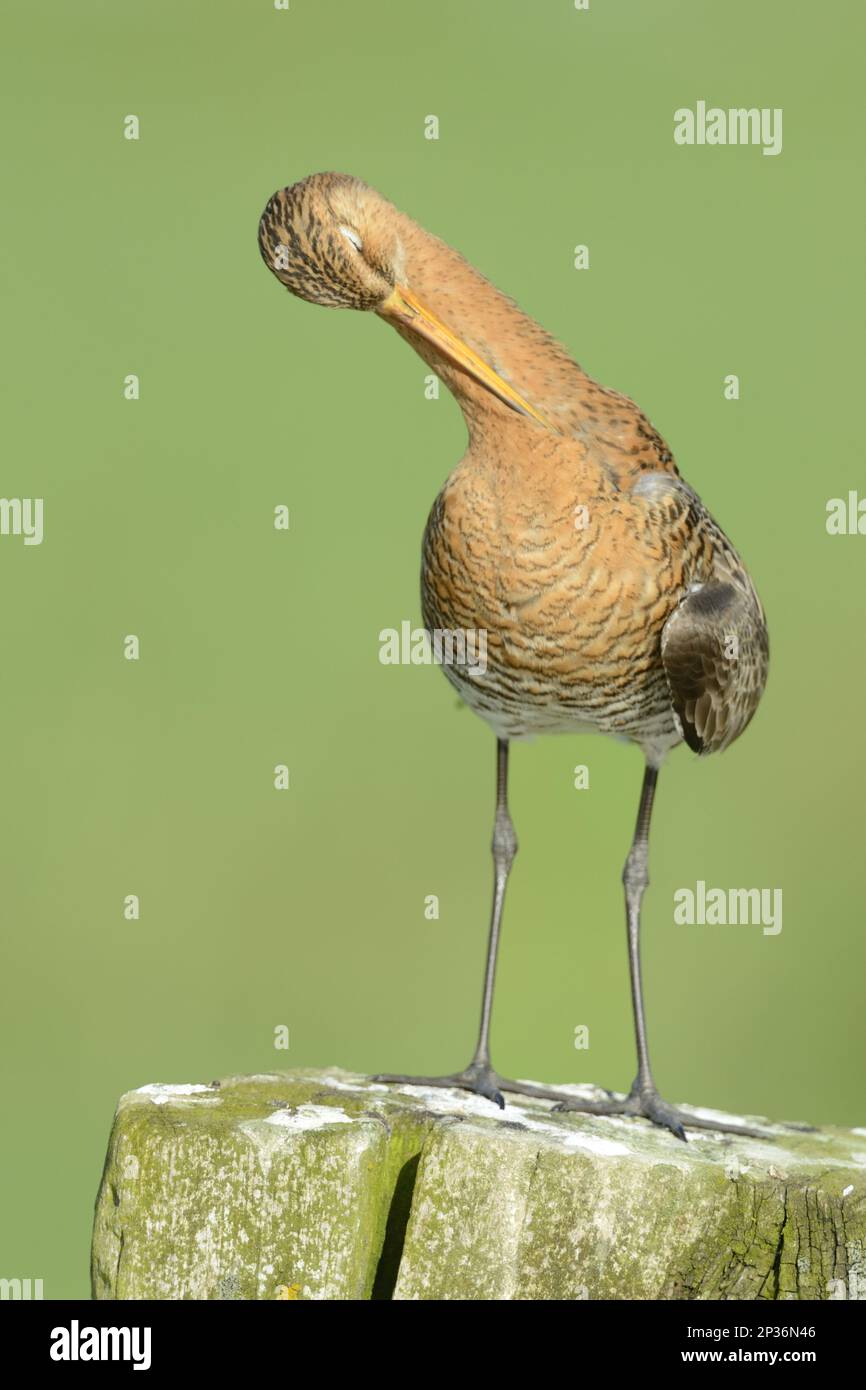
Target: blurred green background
{"points": [[258, 647]]}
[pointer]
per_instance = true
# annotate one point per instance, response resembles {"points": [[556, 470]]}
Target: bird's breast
{"points": [[563, 583]]}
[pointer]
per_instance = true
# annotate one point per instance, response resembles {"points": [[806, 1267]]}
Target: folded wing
{"points": [[715, 653]]}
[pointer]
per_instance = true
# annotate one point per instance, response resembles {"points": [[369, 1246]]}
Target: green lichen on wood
{"points": [[241, 1190], [334, 1187]]}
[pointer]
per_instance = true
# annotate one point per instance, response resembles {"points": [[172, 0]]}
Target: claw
{"points": [[648, 1105], [481, 1081], [675, 1128], [651, 1107]]}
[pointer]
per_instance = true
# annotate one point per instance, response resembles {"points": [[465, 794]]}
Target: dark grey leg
{"points": [[504, 849], [643, 1099], [635, 879]]}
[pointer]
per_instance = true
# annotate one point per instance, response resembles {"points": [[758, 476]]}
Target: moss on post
{"points": [[323, 1185]]}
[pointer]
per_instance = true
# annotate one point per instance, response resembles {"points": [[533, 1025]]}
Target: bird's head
{"points": [[333, 240], [329, 239]]}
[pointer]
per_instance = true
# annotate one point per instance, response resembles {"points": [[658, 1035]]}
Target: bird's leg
{"points": [[643, 1099], [635, 879], [479, 1076]]}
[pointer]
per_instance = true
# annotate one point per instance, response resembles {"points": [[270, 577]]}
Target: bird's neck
{"points": [[490, 323]]}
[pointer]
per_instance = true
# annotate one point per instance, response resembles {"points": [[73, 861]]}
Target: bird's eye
{"points": [[352, 236]]}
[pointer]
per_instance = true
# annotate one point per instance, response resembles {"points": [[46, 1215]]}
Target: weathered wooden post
{"points": [[323, 1185]]}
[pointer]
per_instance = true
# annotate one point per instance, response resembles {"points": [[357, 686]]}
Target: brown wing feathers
{"points": [[715, 654]]}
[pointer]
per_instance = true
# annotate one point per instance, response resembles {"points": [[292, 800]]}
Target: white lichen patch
{"points": [[572, 1139], [273, 1133], [161, 1093], [447, 1100], [308, 1117], [704, 1112], [360, 1084], [581, 1090]]}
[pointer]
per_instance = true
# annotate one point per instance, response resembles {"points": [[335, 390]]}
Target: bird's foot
{"points": [[480, 1079], [646, 1103]]}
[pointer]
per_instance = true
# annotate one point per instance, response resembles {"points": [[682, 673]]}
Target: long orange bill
{"points": [[402, 306]]}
